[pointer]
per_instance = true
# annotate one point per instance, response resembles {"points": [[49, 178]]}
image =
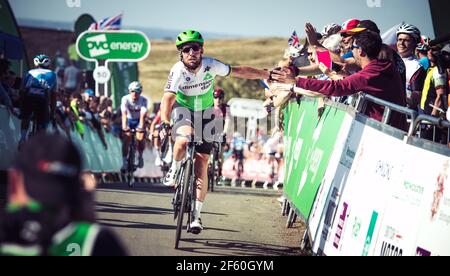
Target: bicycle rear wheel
{"points": [[131, 165], [186, 180]]}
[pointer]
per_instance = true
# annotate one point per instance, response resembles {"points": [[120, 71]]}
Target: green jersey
{"points": [[195, 90]]}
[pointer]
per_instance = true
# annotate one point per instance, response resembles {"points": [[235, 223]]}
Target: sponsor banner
{"points": [[311, 142], [376, 168], [329, 194], [417, 219]]}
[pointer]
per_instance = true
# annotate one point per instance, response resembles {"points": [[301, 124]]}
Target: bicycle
{"points": [[132, 167], [185, 191], [164, 150], [214, 166]]}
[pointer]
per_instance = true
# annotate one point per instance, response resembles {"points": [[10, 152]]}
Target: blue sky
{"points": [[250, 18]]}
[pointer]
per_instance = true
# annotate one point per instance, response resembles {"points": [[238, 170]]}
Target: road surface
{"points": [[236, 223]]}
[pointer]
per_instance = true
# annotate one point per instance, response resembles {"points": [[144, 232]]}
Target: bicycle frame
{"points": [[185, 193], [131, 159]]}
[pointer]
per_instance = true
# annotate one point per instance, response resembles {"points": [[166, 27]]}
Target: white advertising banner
{"points": [[328, 196], [417, 219], [376, 168]]}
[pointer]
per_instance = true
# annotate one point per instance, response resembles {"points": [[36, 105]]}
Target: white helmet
{"points": [[331, 29], [236, 135], [135, 86], [42, 61], [410, 30]]}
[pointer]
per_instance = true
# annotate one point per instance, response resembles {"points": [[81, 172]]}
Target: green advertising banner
{"points": [[8, 25], [126, 46], [310, 143]]}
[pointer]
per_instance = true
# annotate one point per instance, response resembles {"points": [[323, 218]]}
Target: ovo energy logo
{"points": [[98, 45], [123, 46]]}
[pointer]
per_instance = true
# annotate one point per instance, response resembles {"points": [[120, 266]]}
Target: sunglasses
{"points": [[345, 35], [187, 49], [355, 47]]}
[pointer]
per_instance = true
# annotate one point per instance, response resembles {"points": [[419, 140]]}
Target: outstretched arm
{"points": [[245, 72]]}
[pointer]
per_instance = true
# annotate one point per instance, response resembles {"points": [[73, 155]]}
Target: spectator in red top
{"points": [[377, 78]]}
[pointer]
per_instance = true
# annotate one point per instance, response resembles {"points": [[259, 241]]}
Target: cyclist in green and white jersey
{"points": [[189, 99]]}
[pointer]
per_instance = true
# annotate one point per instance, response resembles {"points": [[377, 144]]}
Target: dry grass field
{"points": [[259, 53]]}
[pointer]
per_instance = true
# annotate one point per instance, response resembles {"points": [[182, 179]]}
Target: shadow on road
{"points": [[221, 247], [137, 187], [116, 223], [130, 209], [139, 225]]}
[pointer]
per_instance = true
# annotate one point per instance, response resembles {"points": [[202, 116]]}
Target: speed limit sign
{"points": [[102, 74]]}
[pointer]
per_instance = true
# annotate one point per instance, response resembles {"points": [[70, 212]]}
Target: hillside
{"points": [[259, 53]]}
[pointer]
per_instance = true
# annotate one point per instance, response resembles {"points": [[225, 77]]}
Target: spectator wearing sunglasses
{"points": [[377, 77]]}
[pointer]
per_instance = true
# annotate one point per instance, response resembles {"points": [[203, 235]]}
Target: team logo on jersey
{"points": [[208, 77], [207, 69]]}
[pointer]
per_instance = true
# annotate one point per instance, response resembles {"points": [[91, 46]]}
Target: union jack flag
{"points": [[109, 23], [294, 41]]}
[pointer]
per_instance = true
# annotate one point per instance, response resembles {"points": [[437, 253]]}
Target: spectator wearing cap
{"points": [[386, 53], [408, 37], [347, 40], [377, 78], [46, 200]]}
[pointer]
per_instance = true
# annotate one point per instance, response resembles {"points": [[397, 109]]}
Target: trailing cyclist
{"points": [[189, 94], [38, 96], [237, 146], [223, 118], [134, 112]]}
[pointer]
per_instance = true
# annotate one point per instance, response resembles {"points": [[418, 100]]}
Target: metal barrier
{"points": [[361, 106], [423, 120]]}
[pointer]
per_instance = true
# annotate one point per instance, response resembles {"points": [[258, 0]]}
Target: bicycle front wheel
{"points": [[186, 180]]}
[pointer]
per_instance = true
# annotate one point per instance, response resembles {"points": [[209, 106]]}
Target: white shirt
{"points": [[133, 110]]}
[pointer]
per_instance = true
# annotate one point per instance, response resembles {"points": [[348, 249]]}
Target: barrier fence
{"points": [[97, 159], [363, 187]]}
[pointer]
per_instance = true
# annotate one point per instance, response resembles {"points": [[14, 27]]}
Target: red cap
{"points": [[349, 25]]}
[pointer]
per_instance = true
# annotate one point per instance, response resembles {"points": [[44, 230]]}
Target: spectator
{"points": [[377, 77], [72, 78], [60, 63], [422, 52], [434, 95], [47, 200], [408, 36]]}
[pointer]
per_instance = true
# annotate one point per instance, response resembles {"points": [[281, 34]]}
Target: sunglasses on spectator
{"points": [[355, 47], [187, 49], [345, 35]]}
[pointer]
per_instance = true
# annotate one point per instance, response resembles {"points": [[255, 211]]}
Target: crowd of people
{"points": [[413, 73]]}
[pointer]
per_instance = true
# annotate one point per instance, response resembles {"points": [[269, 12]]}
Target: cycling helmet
{"points": [[42, 61], [135, 86], [189, 36], [410, 30], [219, 93], [236, 135], [331, 29], [424, 44]]}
